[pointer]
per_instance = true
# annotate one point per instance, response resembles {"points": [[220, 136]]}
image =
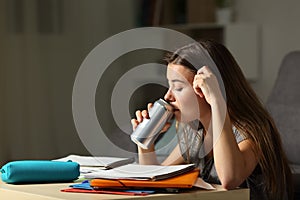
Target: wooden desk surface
{"points": [[52, 191]]}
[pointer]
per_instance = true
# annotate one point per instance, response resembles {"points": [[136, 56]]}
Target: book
{"points": [[142, 172], [97, 161]]}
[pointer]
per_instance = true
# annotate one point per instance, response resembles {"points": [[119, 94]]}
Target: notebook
{"points": [[97, 161], [141, 172]]}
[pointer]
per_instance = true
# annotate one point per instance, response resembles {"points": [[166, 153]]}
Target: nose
{"points": [[169, 96]]}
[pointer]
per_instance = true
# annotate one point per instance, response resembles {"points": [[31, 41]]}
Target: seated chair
{"points": [[284, 106]]}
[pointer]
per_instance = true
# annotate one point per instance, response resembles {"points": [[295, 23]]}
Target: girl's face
{"points": [[181, 93]]}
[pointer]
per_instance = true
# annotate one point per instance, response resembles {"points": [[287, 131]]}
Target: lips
{"points": [[175, 109]]}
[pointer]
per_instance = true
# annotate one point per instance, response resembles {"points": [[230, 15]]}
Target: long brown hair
{"points": [[247, 114]]}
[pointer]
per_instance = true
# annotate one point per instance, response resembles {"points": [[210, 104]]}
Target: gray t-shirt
{"points": [[191, 145]]}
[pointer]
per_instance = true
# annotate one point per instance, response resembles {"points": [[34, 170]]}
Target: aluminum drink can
{"points": [[147, 132]]}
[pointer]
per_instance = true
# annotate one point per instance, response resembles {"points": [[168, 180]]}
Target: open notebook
{"points": [[142, 172], [98, 161]]}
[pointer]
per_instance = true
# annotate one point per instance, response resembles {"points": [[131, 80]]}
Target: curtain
{"points": [[42, 45], [39, 60]]}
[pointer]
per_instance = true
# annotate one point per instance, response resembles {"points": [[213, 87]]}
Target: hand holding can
{"points": [[149, 129]]}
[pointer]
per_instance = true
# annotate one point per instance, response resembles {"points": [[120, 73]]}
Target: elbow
{"points": [[230, 183]]}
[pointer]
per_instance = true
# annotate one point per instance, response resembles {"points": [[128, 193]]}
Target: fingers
{"points": [[204, 70], [198, 91], [145, 114], [206, 85], [134, 123], [149, 106], [140, 115], [199, 83]]}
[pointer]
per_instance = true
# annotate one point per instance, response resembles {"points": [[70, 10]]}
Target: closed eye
{"points": [[178, 89]]}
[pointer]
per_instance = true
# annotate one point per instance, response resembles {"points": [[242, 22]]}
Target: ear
{"points": [[199, 92]]}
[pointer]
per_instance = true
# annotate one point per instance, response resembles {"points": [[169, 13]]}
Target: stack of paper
{"points": [[142, 172]]}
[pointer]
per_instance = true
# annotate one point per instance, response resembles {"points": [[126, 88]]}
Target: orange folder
{"points": [[185, 180]]}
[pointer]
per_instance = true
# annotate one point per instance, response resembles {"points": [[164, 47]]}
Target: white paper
{"points": [[200, 183], [85, 170], [135, 171], [100, 161]]}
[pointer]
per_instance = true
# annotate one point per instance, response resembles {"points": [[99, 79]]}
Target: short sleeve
{"points": [[238, 136]]}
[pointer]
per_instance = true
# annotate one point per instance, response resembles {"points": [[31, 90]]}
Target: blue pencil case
{"points": [[39, 171]]}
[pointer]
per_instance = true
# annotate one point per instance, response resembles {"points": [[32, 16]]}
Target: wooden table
{"points": [[52, 191]]}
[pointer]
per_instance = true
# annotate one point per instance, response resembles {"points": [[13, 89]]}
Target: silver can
{"points": [[147, 132]]}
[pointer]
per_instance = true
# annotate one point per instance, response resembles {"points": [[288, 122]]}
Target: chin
{"points": [[186, 119], [183, 120]]}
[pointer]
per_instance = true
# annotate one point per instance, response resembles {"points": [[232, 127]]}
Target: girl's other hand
{"points": [[206, 85]]}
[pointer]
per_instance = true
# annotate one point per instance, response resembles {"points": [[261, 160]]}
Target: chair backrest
{"points": [[284, 105]]}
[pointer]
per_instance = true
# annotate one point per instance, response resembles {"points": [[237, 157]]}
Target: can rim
{"points": [[166, 104]]}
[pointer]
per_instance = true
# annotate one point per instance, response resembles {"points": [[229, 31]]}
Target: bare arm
{"points": [[148, 157], [175, 157], [234, 163]]}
